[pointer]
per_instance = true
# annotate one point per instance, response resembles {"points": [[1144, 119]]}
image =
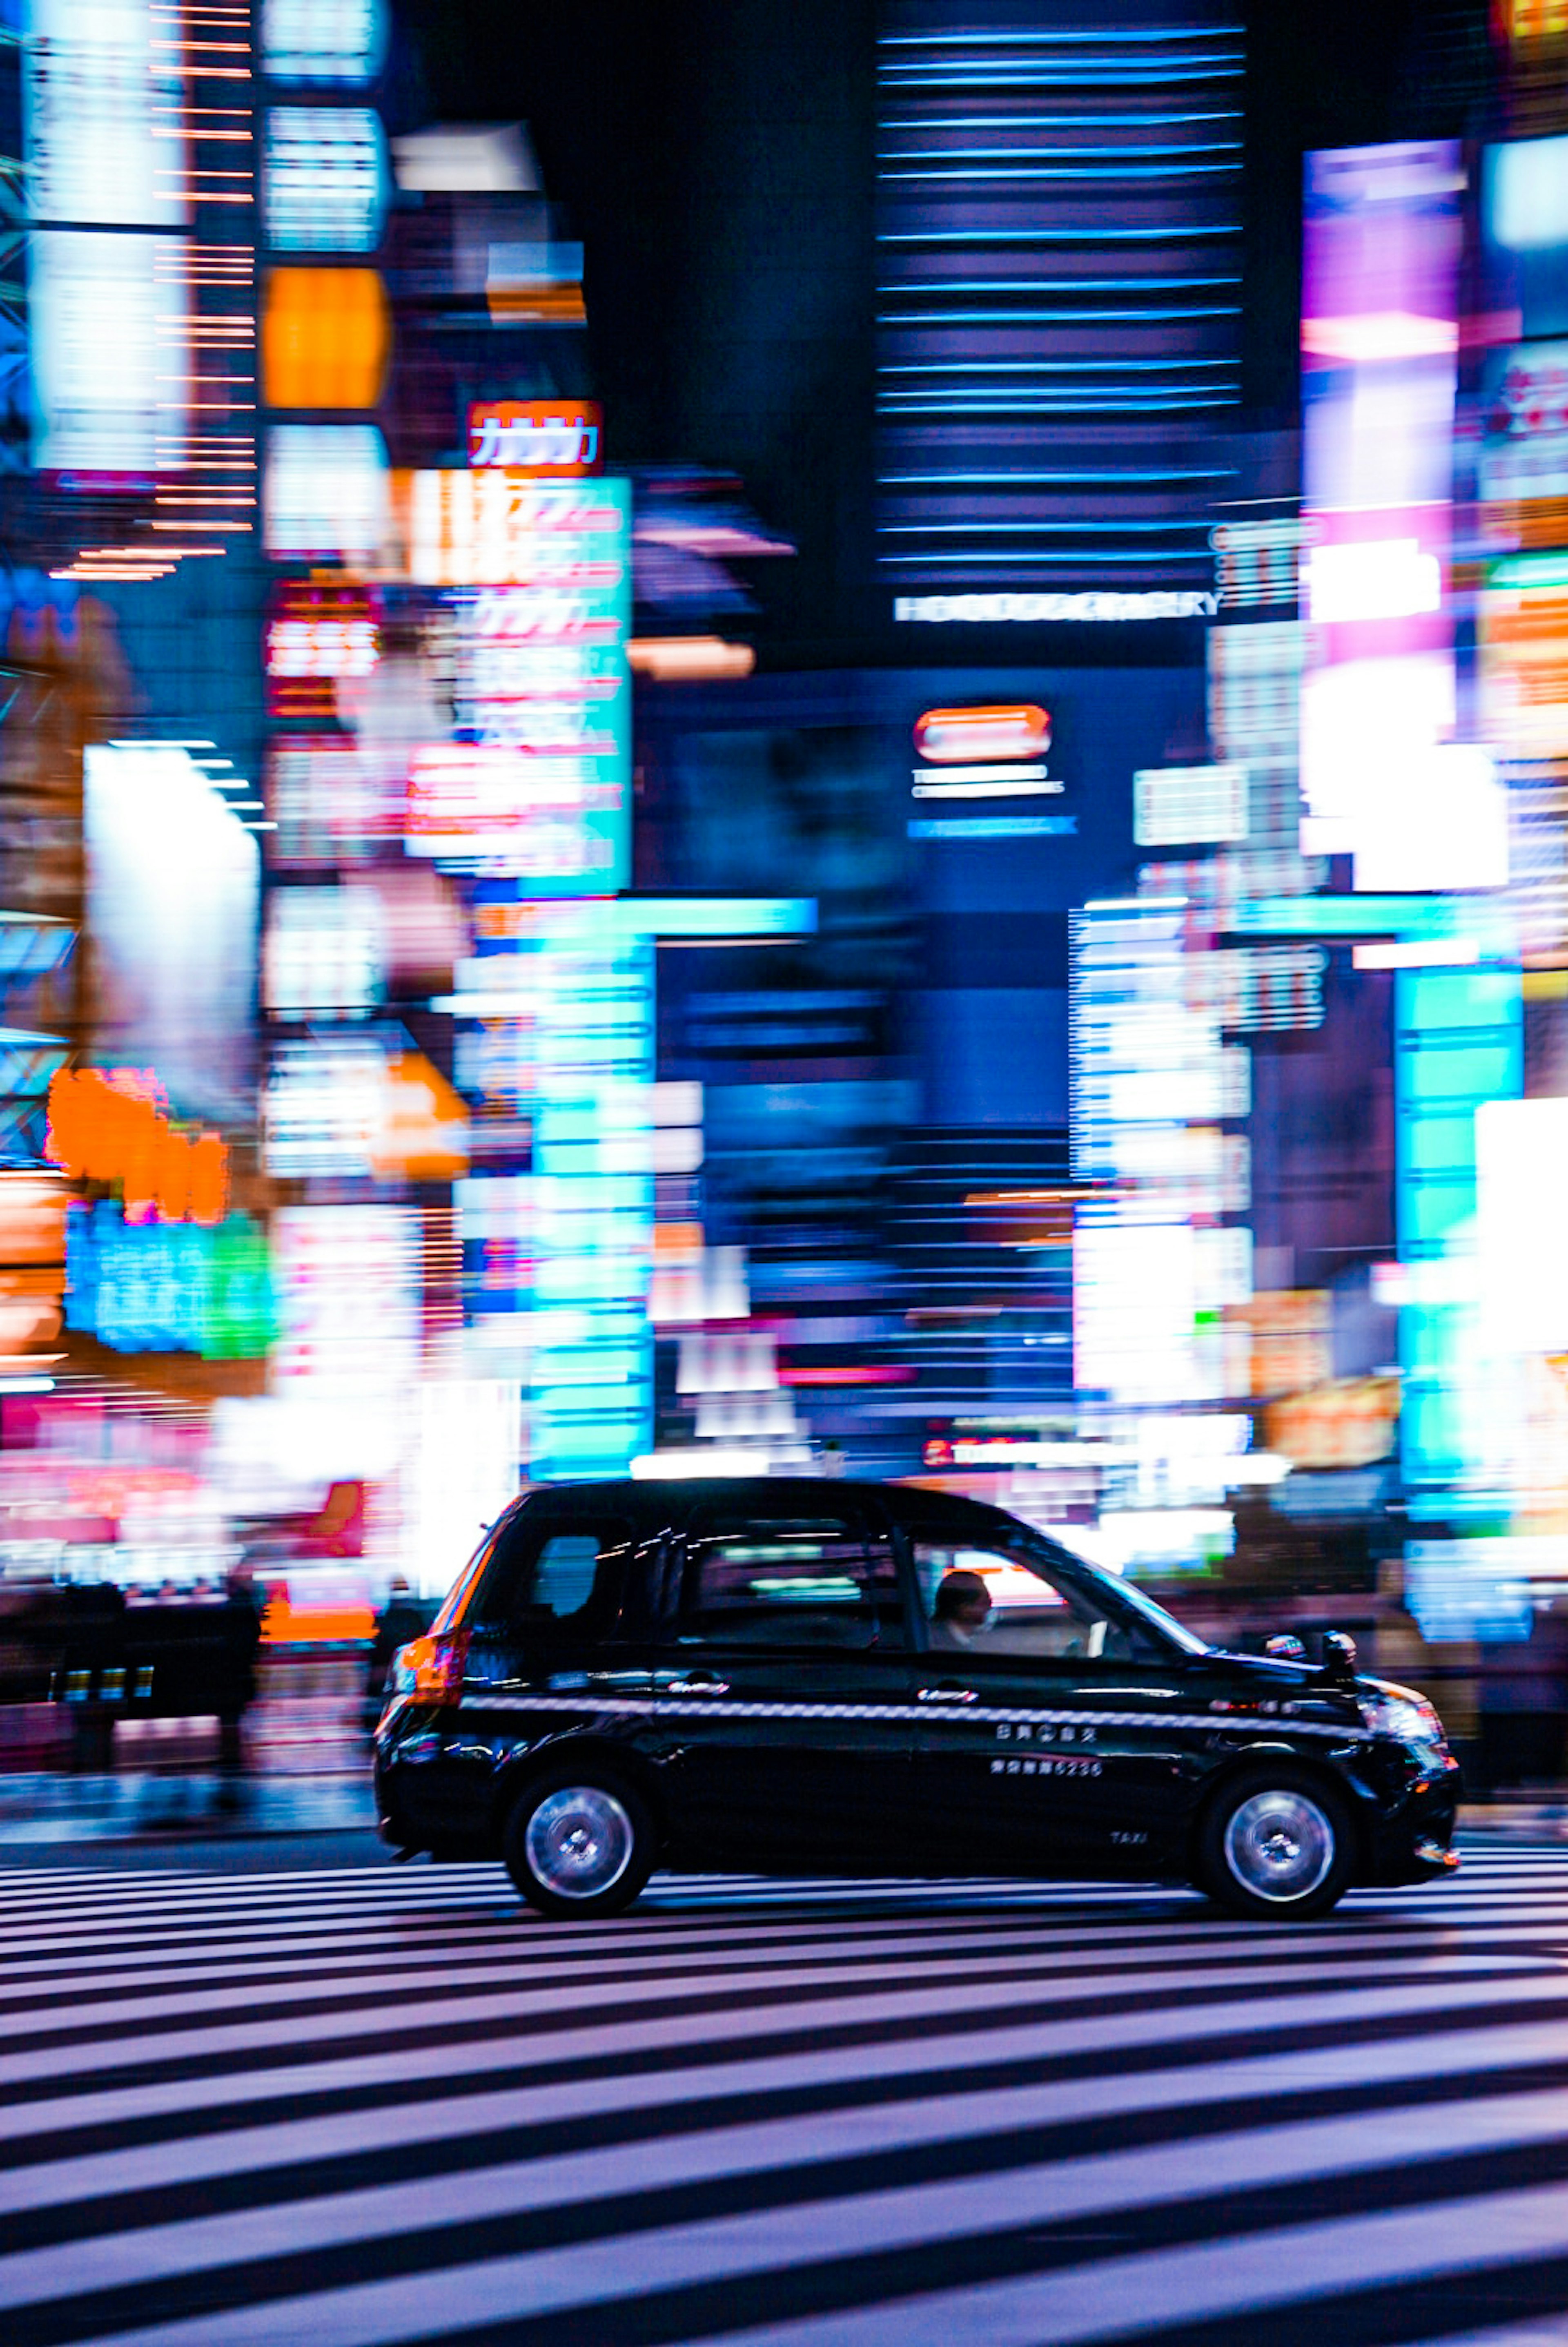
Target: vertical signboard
{"points": [[538, 575], [1380, 340], [108, 191]]}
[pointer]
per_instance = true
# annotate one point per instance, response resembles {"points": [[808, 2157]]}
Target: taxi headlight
{"points": [[1408, 1718]]}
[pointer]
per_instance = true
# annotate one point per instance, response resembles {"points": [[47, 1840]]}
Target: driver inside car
{"points": [[960, 1611]]}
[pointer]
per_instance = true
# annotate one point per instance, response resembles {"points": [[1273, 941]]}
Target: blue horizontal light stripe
{"points": [[1196, 396], [1164, 473], [940, 558], [1075, 529], [1094, 171], [995, 826], [1058, 317], [1048, 366], [1059, 284], [1044, 234], [1060, 121], [1026, 73], [1127, 33], [1125, 153]]}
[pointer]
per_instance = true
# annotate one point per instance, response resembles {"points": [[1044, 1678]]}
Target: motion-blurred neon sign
{"points": [[317, 637], [951, 736], [115, 1129], [545, 438]]}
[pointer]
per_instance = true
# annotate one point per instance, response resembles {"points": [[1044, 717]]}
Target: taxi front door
{"points": [[1047, 1743]]}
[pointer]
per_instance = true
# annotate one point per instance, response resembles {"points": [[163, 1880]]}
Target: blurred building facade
{"points": [[492, 994]]}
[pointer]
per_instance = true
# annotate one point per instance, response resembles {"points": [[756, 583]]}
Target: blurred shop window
{"points": [[992, 1602], [807, 1583]]}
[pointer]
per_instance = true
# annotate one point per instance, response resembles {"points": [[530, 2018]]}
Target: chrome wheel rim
{"points": [[1279, 1845], [579, 1841]]}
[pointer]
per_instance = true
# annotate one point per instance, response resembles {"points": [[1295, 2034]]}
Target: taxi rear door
{"points": [[557, 1646], [781, 1686]]}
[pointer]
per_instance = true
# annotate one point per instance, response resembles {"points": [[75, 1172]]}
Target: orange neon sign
{"points": [[952, 736], [114, 1128], [326, 338]]}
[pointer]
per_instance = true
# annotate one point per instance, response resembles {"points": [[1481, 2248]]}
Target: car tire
{"points": [[579, 1842], [1276, 1845]]}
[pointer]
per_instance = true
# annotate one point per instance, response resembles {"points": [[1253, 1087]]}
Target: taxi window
{"points": [[996, 1601], [803, 1582], [454, 1606], [560, 1580]]}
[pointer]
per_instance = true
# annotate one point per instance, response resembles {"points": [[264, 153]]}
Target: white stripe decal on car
{"points": [[715, 1707]]}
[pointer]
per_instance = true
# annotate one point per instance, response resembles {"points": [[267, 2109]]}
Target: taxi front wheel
{"points": [[579, 1843], [1276, 1846]]}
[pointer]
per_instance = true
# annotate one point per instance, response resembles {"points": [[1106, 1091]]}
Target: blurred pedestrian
{"points": [[1521, 1707], [403, 1617], [242, 1626]]}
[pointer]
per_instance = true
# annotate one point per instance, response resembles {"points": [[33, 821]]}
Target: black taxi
{"points": [[793, 1675]]}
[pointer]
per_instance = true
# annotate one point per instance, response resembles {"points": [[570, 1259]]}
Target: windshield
{"points": [[1129, 1593]]}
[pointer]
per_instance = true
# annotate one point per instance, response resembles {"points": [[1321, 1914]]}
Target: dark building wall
{"points": [[1323, 1135]]}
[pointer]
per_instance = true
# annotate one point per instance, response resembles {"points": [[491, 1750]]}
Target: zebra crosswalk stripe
{"points": [[381, 2105]]}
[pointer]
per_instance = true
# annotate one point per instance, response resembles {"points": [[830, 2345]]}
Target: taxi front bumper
{"points": [[1412, 1841]]}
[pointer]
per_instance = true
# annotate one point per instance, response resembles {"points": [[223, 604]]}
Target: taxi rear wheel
{"points": [[1276, 1845], [579, 1842]]}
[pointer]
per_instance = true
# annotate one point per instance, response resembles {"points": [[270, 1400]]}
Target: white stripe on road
{"points": [[1117, 2298], [1039, 2040], [1108, 2299], [557, 1990], [250, 2151], [340, 1958], [1546, 2330], [874, 2002], [849, 2224]]}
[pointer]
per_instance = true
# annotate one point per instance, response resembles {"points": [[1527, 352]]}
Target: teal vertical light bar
{"points": [[591, 1372], [1459, 1040]]}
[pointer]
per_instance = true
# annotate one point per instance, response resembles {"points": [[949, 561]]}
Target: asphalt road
{"points": [[338, 2102]]}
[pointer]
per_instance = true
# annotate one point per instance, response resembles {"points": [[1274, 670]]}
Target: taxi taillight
{"points": [[430, 1670]]}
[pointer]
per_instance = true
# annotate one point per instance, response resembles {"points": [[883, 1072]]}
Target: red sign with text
{"points": [[550, 438]]}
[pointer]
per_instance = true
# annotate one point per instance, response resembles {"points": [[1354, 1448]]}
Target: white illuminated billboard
{"points": [[328, 41], [1182, 806], [1520, 1148], [105, 308], [173, 878], [1439, 824], [100, 92], [325, 492], [108, 351], [1380, 341], [325, 180], [1526, 193], [1367, 726], [1375, 579]]}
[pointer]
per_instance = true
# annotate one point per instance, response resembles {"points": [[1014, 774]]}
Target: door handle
{"points": [[948, 1693], [703, 1683]]}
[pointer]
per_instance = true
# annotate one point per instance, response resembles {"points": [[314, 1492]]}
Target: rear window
{"points": [[558, 1580], [812, 1582]]}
